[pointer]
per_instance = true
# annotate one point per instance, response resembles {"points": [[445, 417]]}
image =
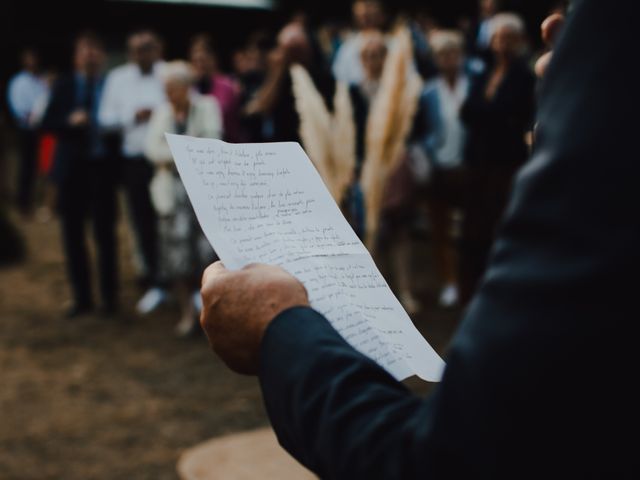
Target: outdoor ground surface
{"points": [[120, 398]]}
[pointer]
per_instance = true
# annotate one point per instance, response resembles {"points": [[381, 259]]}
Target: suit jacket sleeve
{"points": [[61, 105], [334, 409], [538, 378]]}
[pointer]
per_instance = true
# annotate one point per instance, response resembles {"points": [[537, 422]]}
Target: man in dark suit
{"points": [[540, 376], [84, 174]]}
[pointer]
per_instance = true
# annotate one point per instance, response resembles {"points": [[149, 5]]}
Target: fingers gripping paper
{"points": [[265, 203]]}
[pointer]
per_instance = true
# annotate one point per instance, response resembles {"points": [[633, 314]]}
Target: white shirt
{"points": [[24, 92], [127, 91], [347, 66], [450, 152]]}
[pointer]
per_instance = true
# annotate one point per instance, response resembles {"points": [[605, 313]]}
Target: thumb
{"points": [[213, 271]]}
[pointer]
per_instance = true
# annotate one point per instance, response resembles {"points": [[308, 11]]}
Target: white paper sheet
{"points": [[266, 203]]}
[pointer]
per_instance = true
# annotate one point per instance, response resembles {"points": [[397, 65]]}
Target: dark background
{"points": [[51, 26]]}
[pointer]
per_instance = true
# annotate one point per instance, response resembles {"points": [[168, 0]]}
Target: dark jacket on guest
{"points": [[85, 172], [282, 124], [76, 145], [540, 377], [496, 127]]}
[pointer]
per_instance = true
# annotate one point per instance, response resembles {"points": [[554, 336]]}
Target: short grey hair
{"points": [[178, 71], [443, 40], [512, 21]]}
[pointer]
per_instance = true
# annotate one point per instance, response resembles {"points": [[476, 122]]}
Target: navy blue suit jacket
{"points": [[540, 377], [75, 145]]}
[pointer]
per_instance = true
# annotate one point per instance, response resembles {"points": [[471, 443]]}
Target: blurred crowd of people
{"points": [[430, 143]]}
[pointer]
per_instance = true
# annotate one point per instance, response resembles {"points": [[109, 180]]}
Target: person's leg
{"points": [[472, 235], [188, 324], [439, 236], [27, 170], [395, 241], [12, 245], [473, 262], [402, 259], [196, 255], [484, 212], [137, 177], [104, 213], [72, 210], [444, 254]]}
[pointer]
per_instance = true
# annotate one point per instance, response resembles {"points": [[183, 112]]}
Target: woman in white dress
{"points": [[184, 250], [444, 143]]}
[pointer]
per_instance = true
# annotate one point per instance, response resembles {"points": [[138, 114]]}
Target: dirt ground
{"points": [[119, 398]]}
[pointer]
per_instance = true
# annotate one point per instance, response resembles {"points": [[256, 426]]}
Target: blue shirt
{"points": [[24, 91]]}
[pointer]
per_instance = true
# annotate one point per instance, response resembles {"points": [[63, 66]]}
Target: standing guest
{"points": [[184, 250], [45, 189], [398, 209], [480, 41], [249, 70], [12, 245], [498, 114], [131, 93], [444, 142], [84, 177], [330, 37], [273, 105], [25, 90], [209, 81], [373, 53], [368, 16]]}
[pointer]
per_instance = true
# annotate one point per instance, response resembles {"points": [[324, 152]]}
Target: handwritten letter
{"points": [[266, 203]]}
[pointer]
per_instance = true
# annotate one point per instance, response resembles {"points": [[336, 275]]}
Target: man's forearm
{"points": [[334, 409]]}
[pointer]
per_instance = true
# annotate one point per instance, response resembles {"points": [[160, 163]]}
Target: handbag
{"points": [[163, 192]]}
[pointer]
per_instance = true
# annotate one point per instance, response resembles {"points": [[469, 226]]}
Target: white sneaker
{"points": [[196, 299], [449, 296], [152, 299]]}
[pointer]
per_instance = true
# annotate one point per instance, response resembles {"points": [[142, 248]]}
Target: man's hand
{"points": [[238, 306], [550, 31], [78, 118], [143, 115]]}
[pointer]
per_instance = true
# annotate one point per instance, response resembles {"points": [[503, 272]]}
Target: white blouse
{"points": [[204, 121], [450, 152]]}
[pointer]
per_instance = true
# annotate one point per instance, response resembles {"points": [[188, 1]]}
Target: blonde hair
{"points": [[512, 21], [178, 71], [443, 40]]}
